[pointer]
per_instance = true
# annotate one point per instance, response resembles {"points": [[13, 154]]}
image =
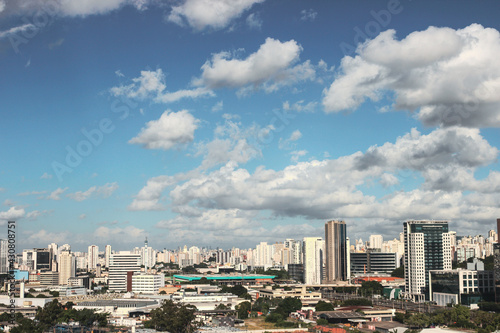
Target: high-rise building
{"points": [[43, 259], [314, 259], [427, 247], [295, 247], [92, 256], [337, 251], [4, 254], [122, 266], [148, 255], [376, 241], [107, 254], [67, 267], [264, 255]]}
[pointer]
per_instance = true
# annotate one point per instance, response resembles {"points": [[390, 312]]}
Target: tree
{"points": [[243, 309], [222, 307], [322, 321], [418, 320], [49, 314], [173, 317], [274, 317], [324, 306], [189, 270], [289, 305], [26, 325], [399, 272], [371, 288]]}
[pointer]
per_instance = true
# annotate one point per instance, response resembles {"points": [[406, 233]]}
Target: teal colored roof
{"points": [[223, 277]]}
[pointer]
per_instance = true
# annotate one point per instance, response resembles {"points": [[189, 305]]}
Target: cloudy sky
{"points": [[230, 122]]}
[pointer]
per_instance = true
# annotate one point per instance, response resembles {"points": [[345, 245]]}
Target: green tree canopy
{"points": [[371, 288], [399, 272], [173, 317], [324, 306], [243, 309]]}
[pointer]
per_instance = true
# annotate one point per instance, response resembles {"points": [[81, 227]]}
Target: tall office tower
{"points": [[427, 247], [336, 251], [314, 258], [107, 254], [92, 256], [376, 241], [148, 255], [4, 254], [295, 247], [67, 267], [122, 266], [43, 259]]}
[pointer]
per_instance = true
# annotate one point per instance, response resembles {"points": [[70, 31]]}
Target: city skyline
{"points": [[127, 119]]}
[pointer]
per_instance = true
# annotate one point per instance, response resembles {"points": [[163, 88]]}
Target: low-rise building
{"points": [[300, 292], [147, 283], [460, 286]]}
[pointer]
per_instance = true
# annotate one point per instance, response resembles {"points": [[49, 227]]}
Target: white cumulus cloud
{"points": [[270, 67], [171, 130], [214, 14], [448, 77]]}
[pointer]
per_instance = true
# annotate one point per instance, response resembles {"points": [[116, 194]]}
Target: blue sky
{"points": [[226, 123]]}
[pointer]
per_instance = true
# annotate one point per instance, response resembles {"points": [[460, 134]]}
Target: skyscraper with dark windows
{"points": [[427, 247], [337, 251]]}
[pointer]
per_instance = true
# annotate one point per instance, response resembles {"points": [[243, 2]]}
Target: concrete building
{"points": [[147, 283], [122, 266], [314, 260], [107, 254], [376, 241], [337, 251], [309, 297], [67, 267], [92, 257], [295, 247], [373, 262], [427, 247], [296, 272], [4, 254], [49, 279], [461, 286]]}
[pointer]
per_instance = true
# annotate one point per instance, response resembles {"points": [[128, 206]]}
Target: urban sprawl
{"points": [[429, 276]]}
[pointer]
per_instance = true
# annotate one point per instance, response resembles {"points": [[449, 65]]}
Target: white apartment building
{"points": [[147, 283], [376, 241], [92, 256], [314, 259]]}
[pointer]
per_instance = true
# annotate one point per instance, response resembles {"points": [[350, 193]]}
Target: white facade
{"points": [[119, 265], [415, 272], [314, 259], [67, 267], [92, 256], [147, 283], [419, 259], [376, 241], [295, 247], [107, 254], [263, 255]]}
